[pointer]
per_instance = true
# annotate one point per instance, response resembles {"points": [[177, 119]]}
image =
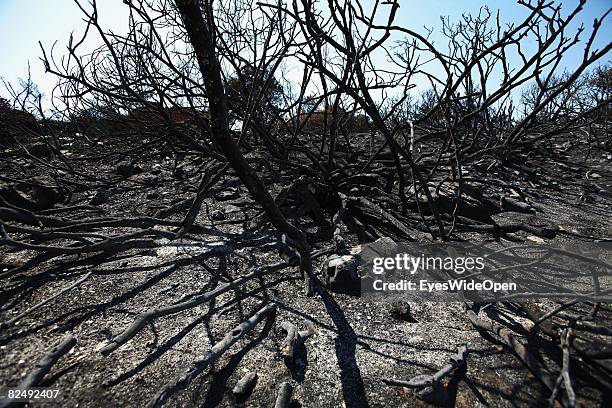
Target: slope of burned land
{"points": [[131, 204]]}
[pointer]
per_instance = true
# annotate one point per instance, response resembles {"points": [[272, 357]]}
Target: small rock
{"points": [[217, 215], [127, 169], [228, 194], [587, 198], [39, 149], [400, 310], [535, 239], [344, 272], [179, 173], [124, 169], [102, 196], [150, 180], [31, 197], [510, 204], [595, 175], [231, 208]]}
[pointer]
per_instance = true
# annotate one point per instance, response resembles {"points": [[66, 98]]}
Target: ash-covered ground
{"points": [[353, 343]]}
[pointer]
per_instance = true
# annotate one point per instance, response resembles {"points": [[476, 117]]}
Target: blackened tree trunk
{"points": [[200, 31]]}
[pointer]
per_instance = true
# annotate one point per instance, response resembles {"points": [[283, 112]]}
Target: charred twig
{"points": [[203, 361], [422, 381], [508, 338], [143, 319], [293, 340], [47, 300], [205, 184], [364, 204], [290, 342], [283, 398], [586, 348], [112, 243], [338, 239], [245, 385]]}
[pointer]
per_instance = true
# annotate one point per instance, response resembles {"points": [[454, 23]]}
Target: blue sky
{"points": [[24, 23]]}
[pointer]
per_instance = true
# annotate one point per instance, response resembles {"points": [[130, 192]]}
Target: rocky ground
{"points": [[353, 342]]}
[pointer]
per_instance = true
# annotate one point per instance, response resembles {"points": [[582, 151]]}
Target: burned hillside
{"points": [[190, 225]]}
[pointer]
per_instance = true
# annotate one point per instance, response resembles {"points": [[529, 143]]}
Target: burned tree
{"points": [[190, 140], [200, 32]]}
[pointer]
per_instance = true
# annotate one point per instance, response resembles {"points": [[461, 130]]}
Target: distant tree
{"points": [[4, 108], [599, 83], [429, 101], [13, 120], [351, 122], [254, 94], [5, 105]]}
